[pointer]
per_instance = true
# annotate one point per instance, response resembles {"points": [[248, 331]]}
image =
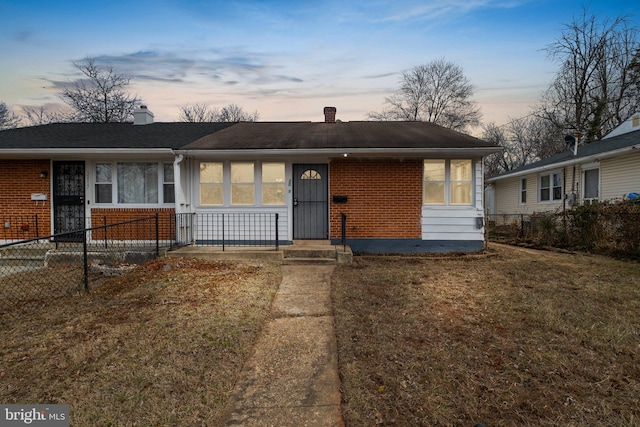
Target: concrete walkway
{"points": [[291, 379]]}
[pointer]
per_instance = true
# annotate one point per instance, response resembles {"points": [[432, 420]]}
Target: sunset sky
{"points": [[286, 59]]}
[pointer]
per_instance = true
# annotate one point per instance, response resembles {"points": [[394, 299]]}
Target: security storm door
{"points": [[68, 198], [310, 201]]}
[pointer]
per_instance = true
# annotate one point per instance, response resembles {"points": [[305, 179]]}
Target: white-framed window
{"points": [[242, 184], [523, 191], [591, 184], [133, 183], [273, 191], [212, 183], [550, 186], [447, 182]]}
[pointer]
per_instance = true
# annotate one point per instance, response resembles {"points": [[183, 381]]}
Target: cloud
{"points": [[230, 67]]}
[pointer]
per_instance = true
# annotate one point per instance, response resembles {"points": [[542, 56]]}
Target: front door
{"points": [[310, 197], [68, 198]]}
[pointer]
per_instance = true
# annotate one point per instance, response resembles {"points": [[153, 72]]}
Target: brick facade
{"points": [[144, 230], [19, 180], [384, 197]]}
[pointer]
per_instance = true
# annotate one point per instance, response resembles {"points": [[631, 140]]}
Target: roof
{"points": [[585, 153], [107, 135], [340, 135]]}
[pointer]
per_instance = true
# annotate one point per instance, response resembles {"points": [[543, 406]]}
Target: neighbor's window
{"points": [[273, 184], [591, 183], [461, 182], [137, 182], [242, 184], [104, 185], [211, 184], [168, 186], [550, 187], [434, 182], [523, 190]]}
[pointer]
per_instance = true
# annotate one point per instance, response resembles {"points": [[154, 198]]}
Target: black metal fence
{"points": [[229, 229], [36, 270], [18, 227]]}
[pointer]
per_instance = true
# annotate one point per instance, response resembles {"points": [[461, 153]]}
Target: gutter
{"points": [[341, 152]]}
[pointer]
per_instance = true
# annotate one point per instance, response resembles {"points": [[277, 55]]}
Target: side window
{"points": [[104, 185], [211, 184], [168, 186], [434, 182], [523, 190]]}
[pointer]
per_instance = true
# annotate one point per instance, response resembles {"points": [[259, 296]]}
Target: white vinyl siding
{"points": [[620, 176]]}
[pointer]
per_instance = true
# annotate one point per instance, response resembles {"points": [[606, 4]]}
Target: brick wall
{"points": [[18, 180], [384, 197], [144, 230]]}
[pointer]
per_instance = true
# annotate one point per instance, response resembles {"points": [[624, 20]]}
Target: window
{"points": [[168, 186], [448, 182], [434, 182], [310, 174], [273, 184], [242, 184], [460, 182], [137, 182], [591, 183], [104, 186], [551, 187], [523, 190], [211, 184]]}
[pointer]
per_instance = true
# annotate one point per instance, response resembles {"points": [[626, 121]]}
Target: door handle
{"points": [[295, 201]]}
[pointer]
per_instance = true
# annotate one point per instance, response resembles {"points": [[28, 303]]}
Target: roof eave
{"points": [[84, 153], [354, 152], [573, 161]]}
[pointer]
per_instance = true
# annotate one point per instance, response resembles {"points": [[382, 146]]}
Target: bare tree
{"points": [[199, 113], [634, 76], [42, 116], [437, 92], [592, 92], [100, 96], [8, 119], [524, 141]]}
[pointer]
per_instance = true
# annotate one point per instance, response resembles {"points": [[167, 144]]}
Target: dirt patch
{"points": [[161, 345], [513, 339]]}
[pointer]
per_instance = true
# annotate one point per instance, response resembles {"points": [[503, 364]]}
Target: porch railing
{"points": [[228, 229]]}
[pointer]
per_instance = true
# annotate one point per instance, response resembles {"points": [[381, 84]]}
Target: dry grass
{"points": [[513, 339], [160, 346]]}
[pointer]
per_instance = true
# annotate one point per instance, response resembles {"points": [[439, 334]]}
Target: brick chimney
{"points": [[142, 116], [330, 114]]}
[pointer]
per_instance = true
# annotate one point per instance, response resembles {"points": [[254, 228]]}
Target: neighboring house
{"points": [[604, 170], [403, 186]]}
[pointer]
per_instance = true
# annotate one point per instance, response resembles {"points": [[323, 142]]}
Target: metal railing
{"points": [[228, 229], [18, 227], [343, 230], [34, 271]]}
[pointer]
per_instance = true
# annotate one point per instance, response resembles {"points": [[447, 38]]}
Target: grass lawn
{"points": [[516, 338], [160, 346]]}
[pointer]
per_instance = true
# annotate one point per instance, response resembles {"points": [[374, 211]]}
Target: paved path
{"points": [[292, 377]]}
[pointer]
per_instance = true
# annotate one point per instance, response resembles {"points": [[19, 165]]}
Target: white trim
{"points": [[451, 153]]}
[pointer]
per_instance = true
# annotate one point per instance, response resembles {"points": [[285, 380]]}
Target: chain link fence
{"points": [[34, 271], [612, 229]]}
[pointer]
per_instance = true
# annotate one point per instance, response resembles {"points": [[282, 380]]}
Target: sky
{"points": [[286, 59]]}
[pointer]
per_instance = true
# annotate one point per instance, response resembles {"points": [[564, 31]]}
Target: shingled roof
{"points": [[340, 135], [107, 135]]}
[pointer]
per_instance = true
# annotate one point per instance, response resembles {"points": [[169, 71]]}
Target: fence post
{"points": [[157, 234], [222, 232], [85, 260], [104, 222], [37, 233], [277, 234], [344, 231]]}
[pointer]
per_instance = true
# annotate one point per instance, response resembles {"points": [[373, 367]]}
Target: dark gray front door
{"points": [[68, 198], [310, 197]]}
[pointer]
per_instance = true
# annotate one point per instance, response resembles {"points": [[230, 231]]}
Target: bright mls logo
{"points": [[35, 415]]}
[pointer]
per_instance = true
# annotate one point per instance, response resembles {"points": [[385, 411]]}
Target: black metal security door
{"points": [[310, 197], [68, 198]]}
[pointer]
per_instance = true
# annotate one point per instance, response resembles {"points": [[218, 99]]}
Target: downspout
{"points": [[177, 184]]}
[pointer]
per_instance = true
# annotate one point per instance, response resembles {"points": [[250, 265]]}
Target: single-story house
{"points": [[393, 186], [605, 170]]}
